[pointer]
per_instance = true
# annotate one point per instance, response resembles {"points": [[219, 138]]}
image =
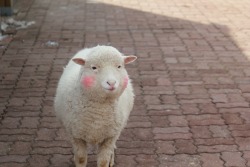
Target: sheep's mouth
{"points": [[110, 89]]}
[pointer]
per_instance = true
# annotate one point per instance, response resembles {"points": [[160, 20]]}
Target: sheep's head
{"points": [[103, 71]]}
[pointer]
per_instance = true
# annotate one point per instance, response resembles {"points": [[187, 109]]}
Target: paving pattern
{"points": [[192, 80]]}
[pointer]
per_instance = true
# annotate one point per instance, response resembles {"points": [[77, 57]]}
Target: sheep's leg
{"points": [[105, 157], [112, 159], [80, 152]]}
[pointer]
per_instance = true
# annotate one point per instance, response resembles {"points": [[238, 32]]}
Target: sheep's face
{"points": [[103, 72]]}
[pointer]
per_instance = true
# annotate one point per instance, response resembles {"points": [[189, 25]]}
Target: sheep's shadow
{"points": [[170, 51]]}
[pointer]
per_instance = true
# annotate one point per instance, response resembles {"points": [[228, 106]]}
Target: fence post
{"points": [[6, 7]]}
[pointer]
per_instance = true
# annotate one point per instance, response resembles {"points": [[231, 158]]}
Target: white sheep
{"points": [[93, 100]]}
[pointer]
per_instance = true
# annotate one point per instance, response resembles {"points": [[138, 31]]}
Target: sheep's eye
{"points": [[119, 66], [93, 68]]}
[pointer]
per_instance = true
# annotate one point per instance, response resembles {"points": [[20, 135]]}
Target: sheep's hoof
{"points": [[111, 165]]}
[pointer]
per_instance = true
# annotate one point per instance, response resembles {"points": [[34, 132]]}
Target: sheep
{"points": [[93, 101]]}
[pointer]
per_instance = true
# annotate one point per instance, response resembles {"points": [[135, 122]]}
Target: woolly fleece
{"points": [[93, 111]]}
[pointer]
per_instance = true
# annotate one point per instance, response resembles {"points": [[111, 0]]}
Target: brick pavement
{"points": [[192, 80]]}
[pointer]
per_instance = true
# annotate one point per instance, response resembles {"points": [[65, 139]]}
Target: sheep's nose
{"points": [[111, 83]]}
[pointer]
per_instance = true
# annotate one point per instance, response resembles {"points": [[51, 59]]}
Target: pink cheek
{"points": [[88, 81], [125, 82]]}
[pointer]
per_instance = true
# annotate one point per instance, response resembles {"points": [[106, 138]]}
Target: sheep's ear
{"points": [[129, 59], [79, 61]]}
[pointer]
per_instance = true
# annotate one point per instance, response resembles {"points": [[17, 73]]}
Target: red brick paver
{"points": [[192, 80]]}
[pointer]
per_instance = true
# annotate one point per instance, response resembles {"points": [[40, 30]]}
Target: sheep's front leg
{"points": [[80, 152], [105, 157]]}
